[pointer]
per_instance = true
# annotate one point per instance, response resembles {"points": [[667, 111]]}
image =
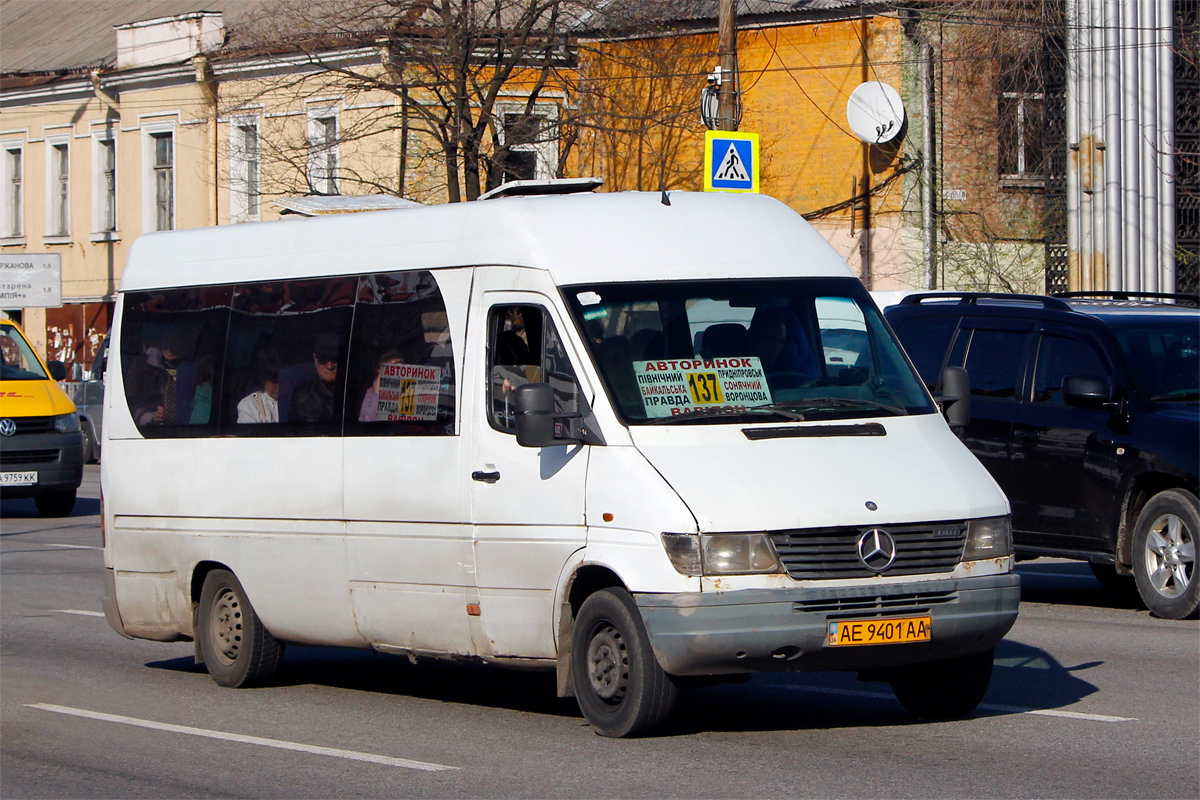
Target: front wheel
{"points": [[944, 689], [1164, 554], [55, 504], [238, 649], [621, 689]]}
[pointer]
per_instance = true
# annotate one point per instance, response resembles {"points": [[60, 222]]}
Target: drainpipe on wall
{"points": [[208, 85], [114, 109], [928, 178]]}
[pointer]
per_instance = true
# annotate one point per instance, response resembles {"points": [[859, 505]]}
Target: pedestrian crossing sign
{"points": [[730, 161]]}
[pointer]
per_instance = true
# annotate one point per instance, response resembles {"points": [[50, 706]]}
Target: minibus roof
{"points": [[578, 238]]}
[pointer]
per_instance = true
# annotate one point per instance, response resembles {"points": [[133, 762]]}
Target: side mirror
{"points": [[58, 370], [1086, 391], [956, 397], [535, 415]]}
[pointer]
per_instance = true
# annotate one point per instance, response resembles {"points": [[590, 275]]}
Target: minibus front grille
{"points": [[821, 553], [20, 457], [33, 425], [876, 605]]}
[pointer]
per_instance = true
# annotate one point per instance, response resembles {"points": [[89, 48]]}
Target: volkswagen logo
{"points": [[876, 549], [7, 427]]}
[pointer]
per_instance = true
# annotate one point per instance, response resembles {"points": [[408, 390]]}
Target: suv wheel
{"points": [[1164, 554]]}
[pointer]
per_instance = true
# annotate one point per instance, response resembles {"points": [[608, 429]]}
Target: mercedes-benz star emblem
{"points": [[7, 427], [876, 549]]}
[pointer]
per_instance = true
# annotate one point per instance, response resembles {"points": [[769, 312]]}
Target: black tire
{"points": [[55, 504], [1111, 579], [621, 689], [238, 650], [89, 443], [1164, 554], [944, 689]]}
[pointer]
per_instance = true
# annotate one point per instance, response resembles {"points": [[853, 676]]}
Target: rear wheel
{"points": [[238, 649], [89, 443], [1164, 554], [944, 689], [55, 504], [621, 689]]}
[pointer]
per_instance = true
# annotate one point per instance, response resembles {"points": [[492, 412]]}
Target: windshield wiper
{"points": [[715, 413], [817, 403]]}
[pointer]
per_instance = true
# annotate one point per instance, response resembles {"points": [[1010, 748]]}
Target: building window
{"points": [[14, 195], [104, 179], [58, 222], [521, 137], [1020, 150], [323, 152], [244, 171], [164, 181]]}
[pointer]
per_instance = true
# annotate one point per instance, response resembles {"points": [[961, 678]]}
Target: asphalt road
{"points": [[1092, 697]]}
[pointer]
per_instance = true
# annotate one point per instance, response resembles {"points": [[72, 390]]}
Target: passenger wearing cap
{"points": [[315, 400]]}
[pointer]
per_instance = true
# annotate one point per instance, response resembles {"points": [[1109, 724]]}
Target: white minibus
{"points": [[596, 433]]}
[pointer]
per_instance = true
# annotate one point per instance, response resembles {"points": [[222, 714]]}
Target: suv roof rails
{"points": [[973, 298], [550, 186], [1178, 297]]}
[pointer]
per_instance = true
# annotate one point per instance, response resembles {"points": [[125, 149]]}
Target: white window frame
{"points": [[12, 199], [58, 190], [104, 196], [324, 159], [547, 151], [245, 174], [150, 132], [1022, 174]]}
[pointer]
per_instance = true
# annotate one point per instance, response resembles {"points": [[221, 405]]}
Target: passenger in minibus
{"points": [[369, 410], [314, 400], [161, 383], [262, 406]]}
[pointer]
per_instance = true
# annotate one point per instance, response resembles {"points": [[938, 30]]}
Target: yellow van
{"points": [[41, 447]]}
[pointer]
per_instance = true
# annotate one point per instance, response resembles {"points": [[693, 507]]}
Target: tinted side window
{"points": [[925, 340], [992, 359], [172, 352], [287, 354], [401, 369], [524, 347], [1059, 357]]}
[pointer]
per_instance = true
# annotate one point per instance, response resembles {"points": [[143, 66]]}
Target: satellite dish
{"points": [[875, 112]]}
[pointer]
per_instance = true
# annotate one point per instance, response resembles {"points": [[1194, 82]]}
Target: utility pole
{"points": [[727, 53]]}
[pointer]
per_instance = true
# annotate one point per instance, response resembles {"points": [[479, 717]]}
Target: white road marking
{"points": [[74, 546], [235, 737], [1045, 712], [80, 613]]}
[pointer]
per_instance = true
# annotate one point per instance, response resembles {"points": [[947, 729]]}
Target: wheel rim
{"points": [[608, 664], [1170, 556], [226, 630]]}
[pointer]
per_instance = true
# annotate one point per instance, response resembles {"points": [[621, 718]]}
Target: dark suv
{"points": [[1085, 410]]}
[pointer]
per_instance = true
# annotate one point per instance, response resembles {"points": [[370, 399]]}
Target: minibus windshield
{"points": [[738, 351], [19, 362]]}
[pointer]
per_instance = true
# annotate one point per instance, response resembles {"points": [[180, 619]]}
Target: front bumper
{"points": [[57, 458], [770, 630]]}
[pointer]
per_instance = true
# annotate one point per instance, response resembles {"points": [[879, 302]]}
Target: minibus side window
{"points": [[173, 348], [286, 367], [400, 374], [524, 347]]}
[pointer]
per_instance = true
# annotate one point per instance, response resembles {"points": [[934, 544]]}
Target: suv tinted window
{"points": [[1060, 357], [925, 342], [992, 359]]}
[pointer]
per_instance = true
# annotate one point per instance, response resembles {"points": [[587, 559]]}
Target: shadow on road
{"points": [[1072, 583], [1025, 678], [24, 508]]}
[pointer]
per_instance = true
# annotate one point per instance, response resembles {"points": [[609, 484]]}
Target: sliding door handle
{"points": [[486, 477]]}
